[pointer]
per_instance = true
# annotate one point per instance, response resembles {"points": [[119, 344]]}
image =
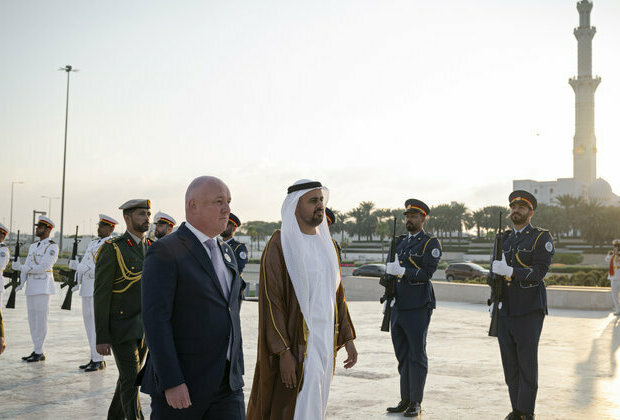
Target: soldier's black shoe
{"points": [[29, 356], [95, 366], [36, 357], [527, 417], [513, 415], [400, 407], [414, 410], [86, 365]]}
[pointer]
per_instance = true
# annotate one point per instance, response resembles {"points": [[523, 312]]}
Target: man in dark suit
{"points": [[190, 300]]}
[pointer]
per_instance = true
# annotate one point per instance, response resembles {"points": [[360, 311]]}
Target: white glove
{"points": [[491, 309], [502, 268], [20, 287], [73, 264], [75, 288], [17, 265], [395, 269]]}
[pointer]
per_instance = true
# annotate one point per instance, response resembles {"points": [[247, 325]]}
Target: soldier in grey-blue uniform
{"points": [[418, 255], [239, 248], [527, 255]]}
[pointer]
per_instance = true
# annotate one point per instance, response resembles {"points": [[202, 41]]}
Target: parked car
{"points": [[465, 270], [370, 270]]}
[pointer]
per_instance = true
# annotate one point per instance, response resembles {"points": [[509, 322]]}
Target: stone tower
{"points": [[584, 85]]}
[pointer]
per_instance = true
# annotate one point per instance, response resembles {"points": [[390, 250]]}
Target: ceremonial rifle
{"points": [[389, 282], [14, 276], [69, 275], [497, 281]]}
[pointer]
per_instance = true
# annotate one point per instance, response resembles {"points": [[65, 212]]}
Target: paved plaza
{"points": [[578, 357]]}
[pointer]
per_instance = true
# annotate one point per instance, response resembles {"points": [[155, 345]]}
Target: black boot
{"points": [[414, 410], [36, 357], [528, 416], [86, 365], [95, 366], [400, 407], [513, 415], [29, 356]]}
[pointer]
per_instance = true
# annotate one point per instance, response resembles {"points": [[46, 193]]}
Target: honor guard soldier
{"points": [[613, 259], [164, 224], [38, 277], [526, 258], [417, 257], [5, 255], [85, 272], [331, 219], [118, 309], [239, 248]]}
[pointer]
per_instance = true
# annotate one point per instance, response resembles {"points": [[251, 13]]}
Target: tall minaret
{"points": [[584, 85]]}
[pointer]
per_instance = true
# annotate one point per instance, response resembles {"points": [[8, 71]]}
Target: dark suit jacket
{"points": [[187, 321]]}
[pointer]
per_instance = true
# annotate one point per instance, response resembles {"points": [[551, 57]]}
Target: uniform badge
{"points": [[52, 252], [436, 253], [227, 257], [549, 246], [243, 255]]}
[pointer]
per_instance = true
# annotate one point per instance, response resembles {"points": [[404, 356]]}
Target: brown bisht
{"points": [[281, 326]]}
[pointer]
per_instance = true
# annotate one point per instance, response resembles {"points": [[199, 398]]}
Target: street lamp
{"points": [[68, 69], [49, 205], [11, 219]]}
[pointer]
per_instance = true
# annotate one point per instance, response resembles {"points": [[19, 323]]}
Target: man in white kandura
{"points": [[303, 315], [37, 274], [85, 276]]}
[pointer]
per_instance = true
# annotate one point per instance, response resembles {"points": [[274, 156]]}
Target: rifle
{"points": [[496, 282], [389, 282], [69, 275], [14, 276]]}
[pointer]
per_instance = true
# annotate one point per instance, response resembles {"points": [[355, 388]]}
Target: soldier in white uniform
{"points": [[5, 256], [613, 258], [164, 223], [85, 276], [38, 277]]}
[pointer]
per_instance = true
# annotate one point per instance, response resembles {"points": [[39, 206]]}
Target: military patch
{"points": [[227, 257], [52, 252], [436, 253], [3, 254], [243, 255], [549, 246]]}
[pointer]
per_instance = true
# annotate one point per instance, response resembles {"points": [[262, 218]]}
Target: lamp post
{"points": [[11, 218], [68, 69], [49, 205]]}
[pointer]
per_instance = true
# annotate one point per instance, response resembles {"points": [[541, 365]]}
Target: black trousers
{"points": [[125, 404], [409, 330], [518, 338], [226, 404]]}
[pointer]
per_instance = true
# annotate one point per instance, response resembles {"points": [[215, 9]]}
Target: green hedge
{"points": [[581, 278], [561, 268], [567, 258]]}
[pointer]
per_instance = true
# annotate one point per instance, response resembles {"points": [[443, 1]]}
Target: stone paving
{"points": [[578, 376]]}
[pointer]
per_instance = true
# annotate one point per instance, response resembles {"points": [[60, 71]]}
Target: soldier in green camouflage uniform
{"points": [[118, 308]]}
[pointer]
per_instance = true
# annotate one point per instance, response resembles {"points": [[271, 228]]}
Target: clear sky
{"points": [[380, 100]]}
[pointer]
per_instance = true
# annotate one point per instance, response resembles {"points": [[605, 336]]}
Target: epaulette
{"points": [[540, 229], [114, 239], [52, 242], [2, 245]]}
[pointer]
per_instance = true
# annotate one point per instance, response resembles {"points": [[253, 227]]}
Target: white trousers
{"points": [[88, 313], [615, 295], [38, 310]]}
